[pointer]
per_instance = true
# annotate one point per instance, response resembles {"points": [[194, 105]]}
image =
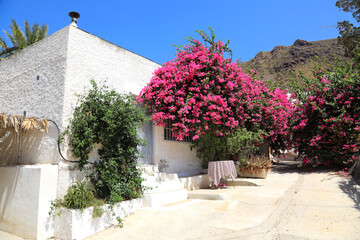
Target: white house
{"points": [[43, 80]]}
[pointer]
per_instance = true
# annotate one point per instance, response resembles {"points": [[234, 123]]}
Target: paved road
{"points": [[286, 205]]}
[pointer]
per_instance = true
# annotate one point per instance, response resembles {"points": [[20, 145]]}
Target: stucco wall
{"points": [[32, 80], [179, 157], [90, 57], [25, 197]]}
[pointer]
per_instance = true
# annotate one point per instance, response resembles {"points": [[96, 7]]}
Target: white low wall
{"points": [[77, 224], [26, 193], [195, 182]]}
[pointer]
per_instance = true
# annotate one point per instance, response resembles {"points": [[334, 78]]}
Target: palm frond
{"points": [[45, 125], [18, 37], [3, 120], [43, 31], [28, 33], [15, 123]]}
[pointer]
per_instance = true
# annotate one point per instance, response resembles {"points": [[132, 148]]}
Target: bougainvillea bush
{"points": [[326, 122], [202, 92]]}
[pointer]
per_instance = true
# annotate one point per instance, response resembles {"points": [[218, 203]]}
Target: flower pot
{"points": [[253, 173]]}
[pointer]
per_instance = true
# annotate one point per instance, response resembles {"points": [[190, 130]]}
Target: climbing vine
{"points": [[110, 119]]}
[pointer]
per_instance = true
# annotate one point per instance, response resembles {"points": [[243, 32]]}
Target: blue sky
{"points": [[151, 27]]}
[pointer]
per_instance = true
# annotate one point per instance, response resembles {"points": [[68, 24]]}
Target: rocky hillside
{"points": [[277, 64]]}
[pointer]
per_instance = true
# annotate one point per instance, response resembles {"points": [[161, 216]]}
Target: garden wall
{"points": [[26, 193], [79, 224]]}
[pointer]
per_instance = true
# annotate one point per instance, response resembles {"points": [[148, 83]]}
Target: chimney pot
{"points": [[74, 16]]}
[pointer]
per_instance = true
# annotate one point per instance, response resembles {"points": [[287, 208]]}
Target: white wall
{"points": [[90, 57], [32, 80], [25, 196], [178, 155]]}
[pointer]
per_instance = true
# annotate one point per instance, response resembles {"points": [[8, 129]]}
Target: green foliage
{"points": [[21, 40], [209, 42], [97, 210], [110, 119], [78, 196], [241, 143], [210, 147], [244, 143], [55, 204], [350, 34], [120, 222]]}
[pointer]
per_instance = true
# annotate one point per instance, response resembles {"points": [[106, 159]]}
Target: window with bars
{"points": [[168, 134]]}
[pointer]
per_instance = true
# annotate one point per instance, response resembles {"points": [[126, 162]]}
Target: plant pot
{"points": [[253, 173]]}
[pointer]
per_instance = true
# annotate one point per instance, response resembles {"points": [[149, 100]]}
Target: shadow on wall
{"points": [[37, 147], [352, 189], [7, 190], [8, 149]]}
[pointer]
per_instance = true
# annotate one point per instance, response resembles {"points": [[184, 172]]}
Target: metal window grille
{"points": [[168, 134]]}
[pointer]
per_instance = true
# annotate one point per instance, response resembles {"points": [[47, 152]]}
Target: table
{"points": [[221, 169]]}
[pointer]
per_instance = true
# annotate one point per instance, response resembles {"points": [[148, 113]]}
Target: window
{"points": [[168, 134]]}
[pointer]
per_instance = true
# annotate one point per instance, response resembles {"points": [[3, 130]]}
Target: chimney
{"points": [[74, 16]]}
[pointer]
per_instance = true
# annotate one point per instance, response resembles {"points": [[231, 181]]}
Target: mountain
{"points": [[277, 64]]}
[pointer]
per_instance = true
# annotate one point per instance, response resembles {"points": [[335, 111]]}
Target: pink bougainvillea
{"points": [[326, 123], [201, 91]]}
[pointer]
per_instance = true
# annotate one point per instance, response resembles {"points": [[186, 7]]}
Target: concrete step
{"points": [[164, 186], [150, 168], [157, 199]]}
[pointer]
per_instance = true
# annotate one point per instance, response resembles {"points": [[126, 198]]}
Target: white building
{"points": [[43, 80]]}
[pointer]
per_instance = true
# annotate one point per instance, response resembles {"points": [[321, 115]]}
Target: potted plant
{"points": [[256, 166]]}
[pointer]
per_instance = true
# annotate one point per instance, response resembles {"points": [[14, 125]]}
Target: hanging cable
{"points": [[58, 143]]}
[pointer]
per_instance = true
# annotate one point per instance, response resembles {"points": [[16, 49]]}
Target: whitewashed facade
{"points": [[43, 80]]}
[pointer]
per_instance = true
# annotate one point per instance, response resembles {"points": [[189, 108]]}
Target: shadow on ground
{"points": [[352, 189], [293, 167]]}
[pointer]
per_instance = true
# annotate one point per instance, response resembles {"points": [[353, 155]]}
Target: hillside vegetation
{"points": [[278, 64]]}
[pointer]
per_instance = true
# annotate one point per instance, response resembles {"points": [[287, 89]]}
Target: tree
{"points": [[204, 93], [19, 39], [350, 34]]}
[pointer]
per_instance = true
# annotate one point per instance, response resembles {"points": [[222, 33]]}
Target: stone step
{"points": [[158, 199]]}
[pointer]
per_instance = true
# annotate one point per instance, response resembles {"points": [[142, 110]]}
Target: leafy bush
{"points": [[240, 143], [326, 123], [243, 143], [78, 196], [202, 92], [110, 119]]}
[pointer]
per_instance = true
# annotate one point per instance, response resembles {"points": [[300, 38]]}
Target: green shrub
{"points": [[78, 196], [110, 119], [97, 210]]}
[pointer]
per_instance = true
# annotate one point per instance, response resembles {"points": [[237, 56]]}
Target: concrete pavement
{"points": [[286, 205]]}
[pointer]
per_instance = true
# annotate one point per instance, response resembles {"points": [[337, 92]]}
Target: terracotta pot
{"points": [[259, 173]]}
